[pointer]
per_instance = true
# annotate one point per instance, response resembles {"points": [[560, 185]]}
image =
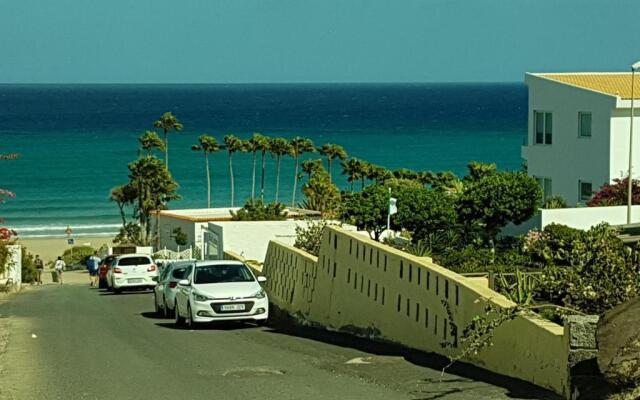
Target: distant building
{"points": [[578, 131]]}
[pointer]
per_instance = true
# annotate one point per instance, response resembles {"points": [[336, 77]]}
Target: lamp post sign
{"points": [[70, 240]]}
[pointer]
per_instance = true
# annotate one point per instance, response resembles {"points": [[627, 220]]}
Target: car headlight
{"points": [[259, 294], [201, 297]]}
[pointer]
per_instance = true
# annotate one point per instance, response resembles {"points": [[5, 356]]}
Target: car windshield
{"points": [[223, 273]]}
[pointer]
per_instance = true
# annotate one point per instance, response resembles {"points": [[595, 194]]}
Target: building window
{"points": [[545, 186], [584, 124], [586, 190], [543, 127]]}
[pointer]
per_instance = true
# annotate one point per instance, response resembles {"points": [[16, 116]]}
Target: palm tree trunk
{"points": [[277, 176], [206, 165], [352, 186], [262, 178], [362, 179], [232, 183], [253, 178], [295, 184], [329, 162], [166, 149]]}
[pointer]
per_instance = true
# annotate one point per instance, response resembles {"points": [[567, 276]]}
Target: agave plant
{"points": [[522, 290]]}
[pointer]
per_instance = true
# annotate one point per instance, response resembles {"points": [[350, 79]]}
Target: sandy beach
{"points": [[49, 248]]}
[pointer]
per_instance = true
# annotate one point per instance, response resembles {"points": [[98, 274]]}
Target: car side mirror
{"points": [[262, 279], [184, 282]]}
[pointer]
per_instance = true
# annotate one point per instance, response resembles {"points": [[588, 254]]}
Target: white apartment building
{"points": [[578, 131]]}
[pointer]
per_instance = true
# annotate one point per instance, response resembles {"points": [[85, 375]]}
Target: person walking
{"points": [[39, 268], [93, 263], [59, 267]]}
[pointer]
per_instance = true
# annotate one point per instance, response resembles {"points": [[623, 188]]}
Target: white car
{"points": [[220, 291], [164, 294], [132, 271]]}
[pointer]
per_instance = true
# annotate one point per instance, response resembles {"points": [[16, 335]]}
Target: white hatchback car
{"points": [[132, 271], [220, 291], [164, 294]]}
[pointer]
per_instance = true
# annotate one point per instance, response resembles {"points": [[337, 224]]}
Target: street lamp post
{"points": [[634, 67]]}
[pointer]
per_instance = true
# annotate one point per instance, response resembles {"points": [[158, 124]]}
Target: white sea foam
{"points": [[62, 228]]}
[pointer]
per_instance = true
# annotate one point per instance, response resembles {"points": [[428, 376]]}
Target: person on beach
{"points": [[39, 268], [59, 267], [93, 263]]}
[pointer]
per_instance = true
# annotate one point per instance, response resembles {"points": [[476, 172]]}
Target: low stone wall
{"points": [[364, 287]]}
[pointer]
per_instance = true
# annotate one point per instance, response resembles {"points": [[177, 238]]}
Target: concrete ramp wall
{"points": [[364, 287]]}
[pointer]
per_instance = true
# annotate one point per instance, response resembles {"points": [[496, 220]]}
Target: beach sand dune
{"points": [[50, 248]]}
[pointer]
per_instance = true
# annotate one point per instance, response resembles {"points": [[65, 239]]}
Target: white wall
{"points": [[586, 217], [569, 158], [13, 269], [250, 239], [620, 121], [194, 231]]}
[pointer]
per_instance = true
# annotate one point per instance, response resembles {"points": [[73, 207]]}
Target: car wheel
{"points": [[117, 290], [155, 305], [189, 319], [165, 308], [178, 319]]}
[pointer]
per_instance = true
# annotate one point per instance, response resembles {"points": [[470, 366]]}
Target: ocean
{"points": [[75, 141]]}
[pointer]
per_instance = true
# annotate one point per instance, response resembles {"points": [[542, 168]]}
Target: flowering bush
{"points": [[615, 194]]}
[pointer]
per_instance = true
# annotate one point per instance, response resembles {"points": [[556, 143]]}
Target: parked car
{"points": [[132, 271], [164, 294], [102, 271], [220, 291]]}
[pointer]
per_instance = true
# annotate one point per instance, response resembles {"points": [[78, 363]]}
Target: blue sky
{"points": [[228, 41]]}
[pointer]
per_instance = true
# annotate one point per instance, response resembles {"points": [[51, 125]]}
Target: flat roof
{"points": [[201, 214], [610, 83], [224, 214]]}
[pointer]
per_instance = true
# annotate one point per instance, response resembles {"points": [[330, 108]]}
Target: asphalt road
{"points": [[75, 342]]}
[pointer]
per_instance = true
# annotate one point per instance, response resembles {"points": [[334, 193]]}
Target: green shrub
{"points": [[309, 237], [600, 273], [554, 202], [257, 211], [467, 259], [76, 257], [553, 245], [28, 266]]}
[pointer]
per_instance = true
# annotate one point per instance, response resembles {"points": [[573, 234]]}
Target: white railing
{"points": [[166, 254]]}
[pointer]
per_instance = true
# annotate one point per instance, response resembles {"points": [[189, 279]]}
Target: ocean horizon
{"points": [[75, 140]]}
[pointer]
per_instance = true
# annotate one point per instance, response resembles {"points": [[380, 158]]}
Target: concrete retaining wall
{"points": [[362, 286]]}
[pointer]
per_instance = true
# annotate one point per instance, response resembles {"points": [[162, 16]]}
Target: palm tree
{"points": [[279, 147], [254, 145], [232, 144], [167, 122], [332, 151], [207, 144], [311, 166], [262, 144], [149, 141], [353, 168], [299, 146]]}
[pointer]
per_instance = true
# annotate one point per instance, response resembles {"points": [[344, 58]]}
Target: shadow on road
{"points": [[516, 388], [107, 293], [214, 326], [152, 315]]}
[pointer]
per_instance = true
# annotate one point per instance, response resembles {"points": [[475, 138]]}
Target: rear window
{"points": [[180, 273], [133, 261], [223, 274]]}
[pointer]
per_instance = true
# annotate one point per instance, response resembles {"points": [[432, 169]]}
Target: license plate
{"points": [[232, 307], [137, 280]]}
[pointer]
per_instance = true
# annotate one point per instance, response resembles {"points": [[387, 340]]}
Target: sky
{"points": [[277, 41]]}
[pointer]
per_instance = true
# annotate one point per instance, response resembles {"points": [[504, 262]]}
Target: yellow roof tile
{"points": [[614, 84]]}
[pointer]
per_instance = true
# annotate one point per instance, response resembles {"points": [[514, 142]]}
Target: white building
{"points": [[193, 222], [578, 131]]}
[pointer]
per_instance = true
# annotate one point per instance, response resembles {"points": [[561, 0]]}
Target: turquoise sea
{"points": [[75, 140]]}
